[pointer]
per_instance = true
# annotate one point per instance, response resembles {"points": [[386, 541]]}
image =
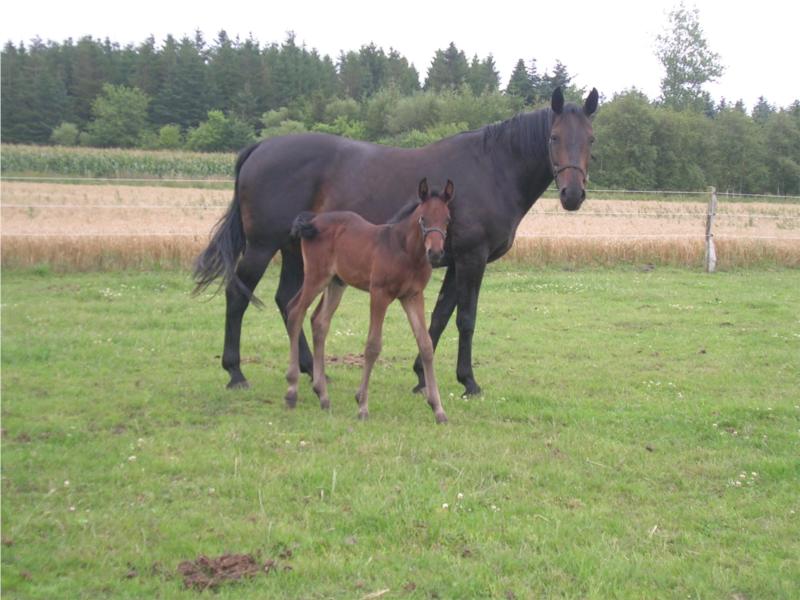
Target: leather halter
{"points": [[427, 230], [559, 170]]}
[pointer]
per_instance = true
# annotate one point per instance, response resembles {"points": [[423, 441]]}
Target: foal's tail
{"points": [[219, 259], [303, 227]]}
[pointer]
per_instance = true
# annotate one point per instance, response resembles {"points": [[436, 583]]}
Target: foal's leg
{"points": [[445, 304], [294, 325], [320, 324], [379, 302], [415, 310]]}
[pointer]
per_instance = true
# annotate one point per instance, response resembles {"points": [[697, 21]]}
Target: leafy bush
{"points": [[219, 133], [343, 126], [65, 134], [284, 128], [170, 137], [120, 117]]}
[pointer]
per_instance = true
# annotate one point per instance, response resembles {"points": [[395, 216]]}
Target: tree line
{"points": [[222, 95]]}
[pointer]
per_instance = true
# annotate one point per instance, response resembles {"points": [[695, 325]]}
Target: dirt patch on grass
{"points": [[205, 573]]}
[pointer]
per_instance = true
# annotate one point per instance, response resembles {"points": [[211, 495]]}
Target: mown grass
{"points": [[638, 438]]}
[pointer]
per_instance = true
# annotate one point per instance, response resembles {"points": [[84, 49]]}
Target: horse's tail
{"points": [[219, 259], [303, 226]]}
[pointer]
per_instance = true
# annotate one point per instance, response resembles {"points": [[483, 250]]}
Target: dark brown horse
{"points": [[501, 171], [390, 262]]}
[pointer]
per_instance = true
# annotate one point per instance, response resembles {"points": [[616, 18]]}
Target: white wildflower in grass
{"points": [[445, 506], [132, 458], [66, 483], [460, 496]]}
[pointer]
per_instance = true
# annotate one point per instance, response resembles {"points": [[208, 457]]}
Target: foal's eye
{"points": [[591, 139], [553, 138]]}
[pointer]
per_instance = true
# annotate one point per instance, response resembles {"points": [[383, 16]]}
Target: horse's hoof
{"points": [[472, 389], [241, 384], [291, 399], [363, 415], [325, 404], [418, 389], [441, 418]]}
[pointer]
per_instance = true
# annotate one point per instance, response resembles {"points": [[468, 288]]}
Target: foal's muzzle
{"points": [[435, 257]]}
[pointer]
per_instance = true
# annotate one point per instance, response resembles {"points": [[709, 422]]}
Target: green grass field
{"points": [[639, 437]]}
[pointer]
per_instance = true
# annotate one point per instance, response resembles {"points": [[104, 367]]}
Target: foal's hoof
{"points": [[363, 415], [418, 389], [325, 404], [291, 399], [240, 384], [441, 418]]}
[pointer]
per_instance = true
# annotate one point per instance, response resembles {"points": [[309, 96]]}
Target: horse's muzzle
{"points": [[435, 257], [572, 197]]}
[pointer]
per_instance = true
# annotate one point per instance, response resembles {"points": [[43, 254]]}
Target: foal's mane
{"points": [[409, 207]]}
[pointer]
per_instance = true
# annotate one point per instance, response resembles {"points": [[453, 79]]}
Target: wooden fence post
{"points": [[711, 252]]}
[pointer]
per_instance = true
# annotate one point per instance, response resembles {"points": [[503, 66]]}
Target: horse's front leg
{"points": [[445, 304], [379, 302], [415, 310], [469, 276]]}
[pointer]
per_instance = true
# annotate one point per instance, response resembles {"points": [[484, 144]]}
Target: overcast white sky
{"points": [[607, 44]]}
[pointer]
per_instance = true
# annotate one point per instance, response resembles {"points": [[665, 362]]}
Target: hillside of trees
{"points": [[222, 95]]}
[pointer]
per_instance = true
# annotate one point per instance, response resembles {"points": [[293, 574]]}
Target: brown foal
{"points": [[391, 261]]}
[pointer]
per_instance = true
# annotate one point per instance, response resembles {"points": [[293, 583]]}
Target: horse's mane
{"points": [[525, 133]]}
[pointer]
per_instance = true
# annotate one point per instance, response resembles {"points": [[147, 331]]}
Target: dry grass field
{"points": [[117, 226]]}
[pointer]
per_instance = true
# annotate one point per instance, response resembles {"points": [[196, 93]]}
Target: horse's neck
{"points": [[530, 154], [409, 231]]}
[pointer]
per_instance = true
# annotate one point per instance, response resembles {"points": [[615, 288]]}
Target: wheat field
{"points": [[84, 227]]}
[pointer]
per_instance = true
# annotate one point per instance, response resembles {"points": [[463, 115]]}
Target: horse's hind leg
{"points": [[320, 325], [294, 324], [291, 280], [251, 267]]}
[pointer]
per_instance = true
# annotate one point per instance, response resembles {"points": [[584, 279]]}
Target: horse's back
{"points": [[285, 176]]}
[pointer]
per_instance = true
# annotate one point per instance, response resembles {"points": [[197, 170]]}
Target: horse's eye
{"points": [[553, 138], [591, 139]]}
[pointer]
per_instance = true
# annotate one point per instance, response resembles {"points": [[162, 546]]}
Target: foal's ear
{"points": [[449, 192], [557, 101], [590, 106], [423, 189]]}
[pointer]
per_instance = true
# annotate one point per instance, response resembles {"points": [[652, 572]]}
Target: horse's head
{"points": [[434, 217], [570, 146]]}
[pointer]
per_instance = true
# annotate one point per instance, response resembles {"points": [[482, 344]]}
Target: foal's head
{"points": [[570, 147], [434, 217]]}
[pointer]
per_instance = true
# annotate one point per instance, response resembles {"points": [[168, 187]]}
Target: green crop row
{"points": [[115, 163]]}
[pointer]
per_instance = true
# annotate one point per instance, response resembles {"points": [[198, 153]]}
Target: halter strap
{"points": [[558, 171], [427, 230]]}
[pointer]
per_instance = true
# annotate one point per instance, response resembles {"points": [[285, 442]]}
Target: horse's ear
{"points": [[449, 191], [423, 189], [557, 101], [590, 106]]}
